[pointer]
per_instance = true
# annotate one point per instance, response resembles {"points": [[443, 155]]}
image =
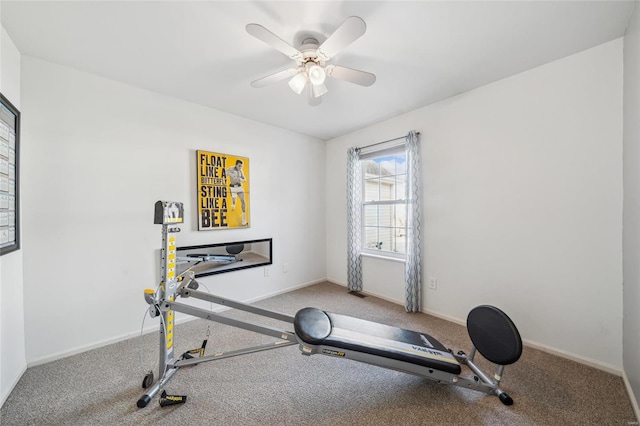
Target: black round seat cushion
{"points": [[494, 335], [312, 325]]}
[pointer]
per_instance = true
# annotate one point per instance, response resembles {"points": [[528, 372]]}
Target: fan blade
{"points": [[263, 34], [350, 30], [313, 101], [274, 78], [349, 74]]}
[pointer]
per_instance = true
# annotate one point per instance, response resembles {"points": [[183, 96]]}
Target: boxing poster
{"points": [[223, 191]]}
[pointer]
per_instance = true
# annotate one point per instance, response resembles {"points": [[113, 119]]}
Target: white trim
{"points": [[151, 329], [632, 397], [13, 385], [445, 317], [383, 257], [369, 293], [553, 351], [606, 367], [375, 153], [380, 296], [529, 343], [336, 282], [379, 149], [609, 368], [287, 290]]}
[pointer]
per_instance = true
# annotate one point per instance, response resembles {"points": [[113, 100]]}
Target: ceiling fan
{"points": [[311, 59]]}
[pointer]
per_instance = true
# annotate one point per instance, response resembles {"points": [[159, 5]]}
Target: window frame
{"points": [[399, 200]]}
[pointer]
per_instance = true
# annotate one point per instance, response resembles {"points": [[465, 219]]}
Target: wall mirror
{"points": [[210, 259]]}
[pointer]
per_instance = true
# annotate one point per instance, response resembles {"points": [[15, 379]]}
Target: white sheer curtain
{"points": [[354, 220], [413, 263]]}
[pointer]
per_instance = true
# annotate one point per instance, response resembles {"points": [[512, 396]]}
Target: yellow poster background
{"points": [[223, 191]]}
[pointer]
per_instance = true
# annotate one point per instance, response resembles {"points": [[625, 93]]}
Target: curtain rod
{"points": [[380, 143]]}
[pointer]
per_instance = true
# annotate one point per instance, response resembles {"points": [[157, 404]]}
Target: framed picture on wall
{"points": [[9, 185], [223, 191]]}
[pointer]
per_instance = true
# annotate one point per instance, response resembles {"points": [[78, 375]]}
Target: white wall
{"points": [[523, 189], [99, 155], [12, 339], [535, 228], [631, 223]]}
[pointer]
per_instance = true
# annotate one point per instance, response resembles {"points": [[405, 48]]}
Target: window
{"points": [[384, 208]]}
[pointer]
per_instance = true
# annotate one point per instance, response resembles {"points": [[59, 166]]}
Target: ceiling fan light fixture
{"points": [[316, 75], [298, 82], [319, 90], [309, 73]]}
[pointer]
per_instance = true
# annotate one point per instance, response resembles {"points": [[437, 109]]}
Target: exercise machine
{"points": [[492, 332], [163, 303]]}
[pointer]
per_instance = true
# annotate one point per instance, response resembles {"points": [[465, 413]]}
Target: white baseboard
{"points": [[337, 282], [74, 351], [13, 385], [388, 299], [369, 293], [152, 328], [609, 368], [530, 343], [445, 317], [632, 397], [287, 290]]}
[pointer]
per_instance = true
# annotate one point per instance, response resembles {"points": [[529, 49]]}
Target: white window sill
{"points": [[380, 256]]}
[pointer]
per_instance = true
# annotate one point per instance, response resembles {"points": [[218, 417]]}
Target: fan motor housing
{"points": [[309, 49]]}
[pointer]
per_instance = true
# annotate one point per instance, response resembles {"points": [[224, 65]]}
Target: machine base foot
{"points": [[142, 402], [506, 399]]}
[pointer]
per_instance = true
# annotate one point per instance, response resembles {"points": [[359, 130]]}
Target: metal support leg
{"points": [[506, 399], [147, 397]]}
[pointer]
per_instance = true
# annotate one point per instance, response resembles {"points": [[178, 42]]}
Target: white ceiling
{"points": [[420, 51]]}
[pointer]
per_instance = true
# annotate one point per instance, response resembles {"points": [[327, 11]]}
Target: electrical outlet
{"points": [[266, 271], [433, 283], [285, 268]]}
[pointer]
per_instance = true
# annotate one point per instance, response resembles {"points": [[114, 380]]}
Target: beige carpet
{"points": [[283, 387]]}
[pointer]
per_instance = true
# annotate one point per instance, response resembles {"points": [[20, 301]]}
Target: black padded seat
{"points": [[312, 325], [234, 248], [316, 327], [494, 335]]}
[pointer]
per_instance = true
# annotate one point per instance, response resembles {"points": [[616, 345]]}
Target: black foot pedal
{"points": [[167, 400], [200, 351]]}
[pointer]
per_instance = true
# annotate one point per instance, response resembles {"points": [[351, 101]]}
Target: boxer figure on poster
{"points": [[236, 177]]}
